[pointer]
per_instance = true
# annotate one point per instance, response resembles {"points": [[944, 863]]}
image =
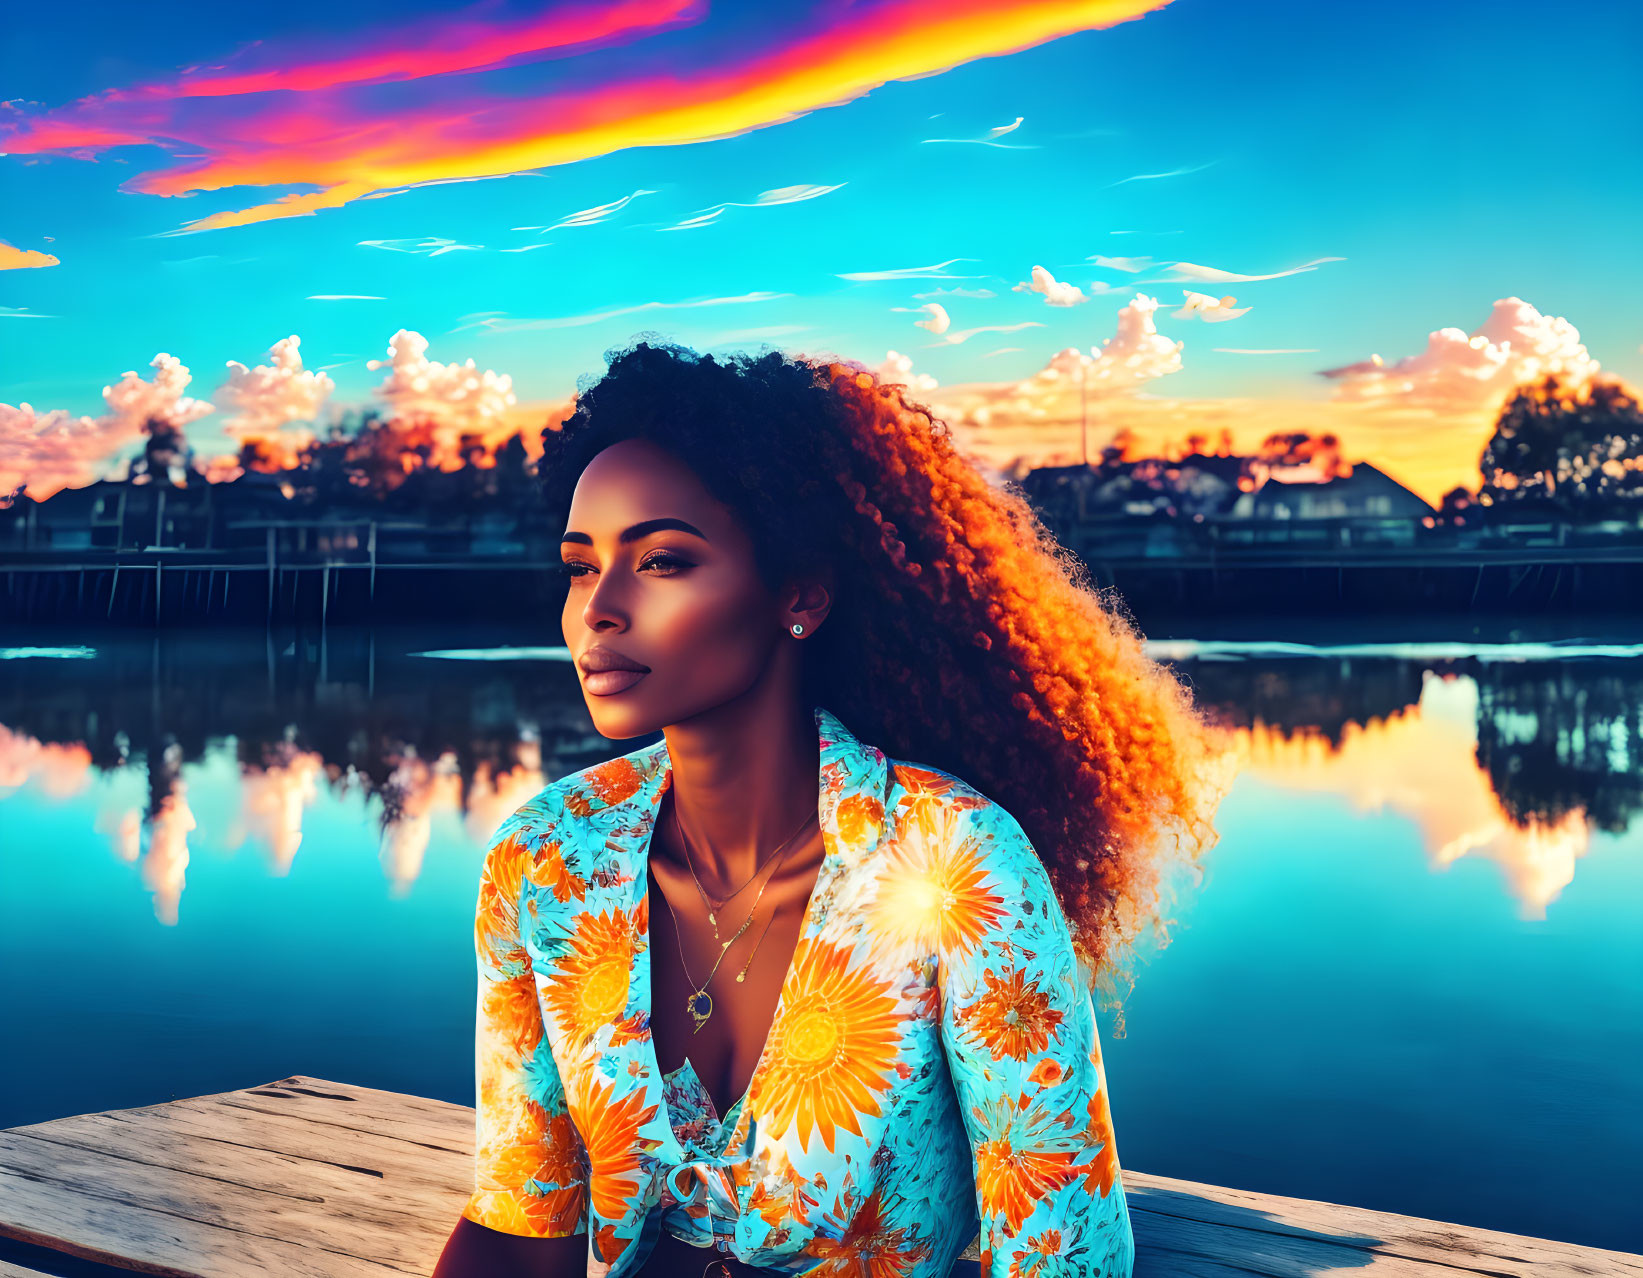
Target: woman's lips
{"points": [[605, 683]]}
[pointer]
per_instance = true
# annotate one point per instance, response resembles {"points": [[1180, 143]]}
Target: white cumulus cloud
{"points": [[264, 397], [134, 401], [44, 452], [1212, 310], [935, 315], [457, 394], [1457, 370], [897, 369], [1055, 292]]}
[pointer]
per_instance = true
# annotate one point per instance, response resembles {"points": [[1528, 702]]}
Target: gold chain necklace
{"points": [[713, 907], [700, 1002]]}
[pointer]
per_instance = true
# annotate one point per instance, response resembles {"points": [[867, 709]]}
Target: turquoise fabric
{"points": [[933, 1066]]}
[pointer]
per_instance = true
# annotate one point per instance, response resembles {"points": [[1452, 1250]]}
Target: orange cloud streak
{"points": [[16, 259], [348, 158], [460, 46]]}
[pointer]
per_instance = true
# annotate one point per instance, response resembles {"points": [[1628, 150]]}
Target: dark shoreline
{"points": [[182, 588]]}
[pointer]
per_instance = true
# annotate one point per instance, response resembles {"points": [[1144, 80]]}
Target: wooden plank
{"points": [[51, 1215], [359, 1181], [1190, 1227], [360, 1225], [299, 1138], [309, 1177]]}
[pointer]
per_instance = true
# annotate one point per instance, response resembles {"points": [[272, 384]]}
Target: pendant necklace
{"points": [[713, 907], [700, 1003]]}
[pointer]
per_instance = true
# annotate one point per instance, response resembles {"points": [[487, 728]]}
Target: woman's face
{"points": [[661, 574]]}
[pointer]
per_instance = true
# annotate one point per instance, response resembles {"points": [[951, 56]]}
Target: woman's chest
{"points": [[831, 1029]]}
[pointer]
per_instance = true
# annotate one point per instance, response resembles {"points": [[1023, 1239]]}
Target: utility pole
{"points": [[1083, 408]]}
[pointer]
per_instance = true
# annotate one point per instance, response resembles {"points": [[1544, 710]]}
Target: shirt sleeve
{"points": [[1018, 1026], [529, 1166]]}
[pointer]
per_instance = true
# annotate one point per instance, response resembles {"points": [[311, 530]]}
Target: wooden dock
{"points": [[308, 1177]]}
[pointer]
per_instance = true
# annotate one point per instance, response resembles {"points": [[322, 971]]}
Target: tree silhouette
{"points": [[164, 447], [1580, 447]]}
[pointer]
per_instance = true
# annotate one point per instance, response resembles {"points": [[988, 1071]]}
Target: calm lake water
{"points": [[1411, 980]]}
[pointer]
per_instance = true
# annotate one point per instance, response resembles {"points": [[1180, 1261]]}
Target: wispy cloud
{"points": [[990, 138], [965, 334], [1149, 177], [430, 245], [589, 217], [1193, 271], [780, 195], [936, 272], [344, 297], [338, 141], [22, 312], [496, 324], [956, 292], [1134, 265]]}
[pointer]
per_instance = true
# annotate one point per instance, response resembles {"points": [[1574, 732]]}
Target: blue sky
{"points": [[1446, 155]]}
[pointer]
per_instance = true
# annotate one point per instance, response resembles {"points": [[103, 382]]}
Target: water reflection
{"points": [[1513, 753], [1510, 752]]}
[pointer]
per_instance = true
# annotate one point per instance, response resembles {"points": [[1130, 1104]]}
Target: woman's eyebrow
{"points": [[642, 529]]}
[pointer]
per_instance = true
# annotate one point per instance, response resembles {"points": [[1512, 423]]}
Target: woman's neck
{"points": [[745, 774]]}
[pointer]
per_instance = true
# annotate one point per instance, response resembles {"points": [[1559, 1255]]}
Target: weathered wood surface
{"points": [[308, 1177]]}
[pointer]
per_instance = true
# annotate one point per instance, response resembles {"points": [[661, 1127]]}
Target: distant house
{"points": [[1194, 486], [1366, 493], [73, 518]]}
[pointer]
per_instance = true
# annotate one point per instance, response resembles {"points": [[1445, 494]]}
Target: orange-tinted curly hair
{"points": [[961, 633]]}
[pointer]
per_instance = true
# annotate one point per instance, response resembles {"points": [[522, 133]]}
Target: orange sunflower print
{"points": [[611, 782], [932, 1057], [932, 894], [609, 1124], [548, 870], [1013, 1018], [512, 1015], [868, 1249], [831, 1049], [1033, 1261], [1022, 1161], [1103, 1171], [592, 977], [856, 815], [496, 918]]}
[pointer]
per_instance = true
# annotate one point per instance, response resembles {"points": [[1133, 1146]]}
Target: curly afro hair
{"points": [[961, 635]]}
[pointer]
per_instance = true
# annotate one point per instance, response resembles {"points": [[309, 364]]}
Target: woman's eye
{"points": [[669, 563]]}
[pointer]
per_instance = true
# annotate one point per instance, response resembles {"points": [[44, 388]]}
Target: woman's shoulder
{"points": [[936, 800], [583, 793]]}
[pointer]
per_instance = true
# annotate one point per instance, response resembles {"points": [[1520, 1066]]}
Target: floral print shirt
{"points": [[933, 1066]]}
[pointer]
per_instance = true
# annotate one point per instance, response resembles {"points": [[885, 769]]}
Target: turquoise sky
{"points": [[1449, 155]]}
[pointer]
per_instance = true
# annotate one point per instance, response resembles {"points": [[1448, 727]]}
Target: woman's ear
{"points": [[809, 600]]}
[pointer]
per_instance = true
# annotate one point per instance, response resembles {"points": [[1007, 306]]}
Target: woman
{"points": [[767, 996]]}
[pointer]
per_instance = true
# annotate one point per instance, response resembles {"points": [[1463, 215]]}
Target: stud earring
{"points": [[797, 628]]}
